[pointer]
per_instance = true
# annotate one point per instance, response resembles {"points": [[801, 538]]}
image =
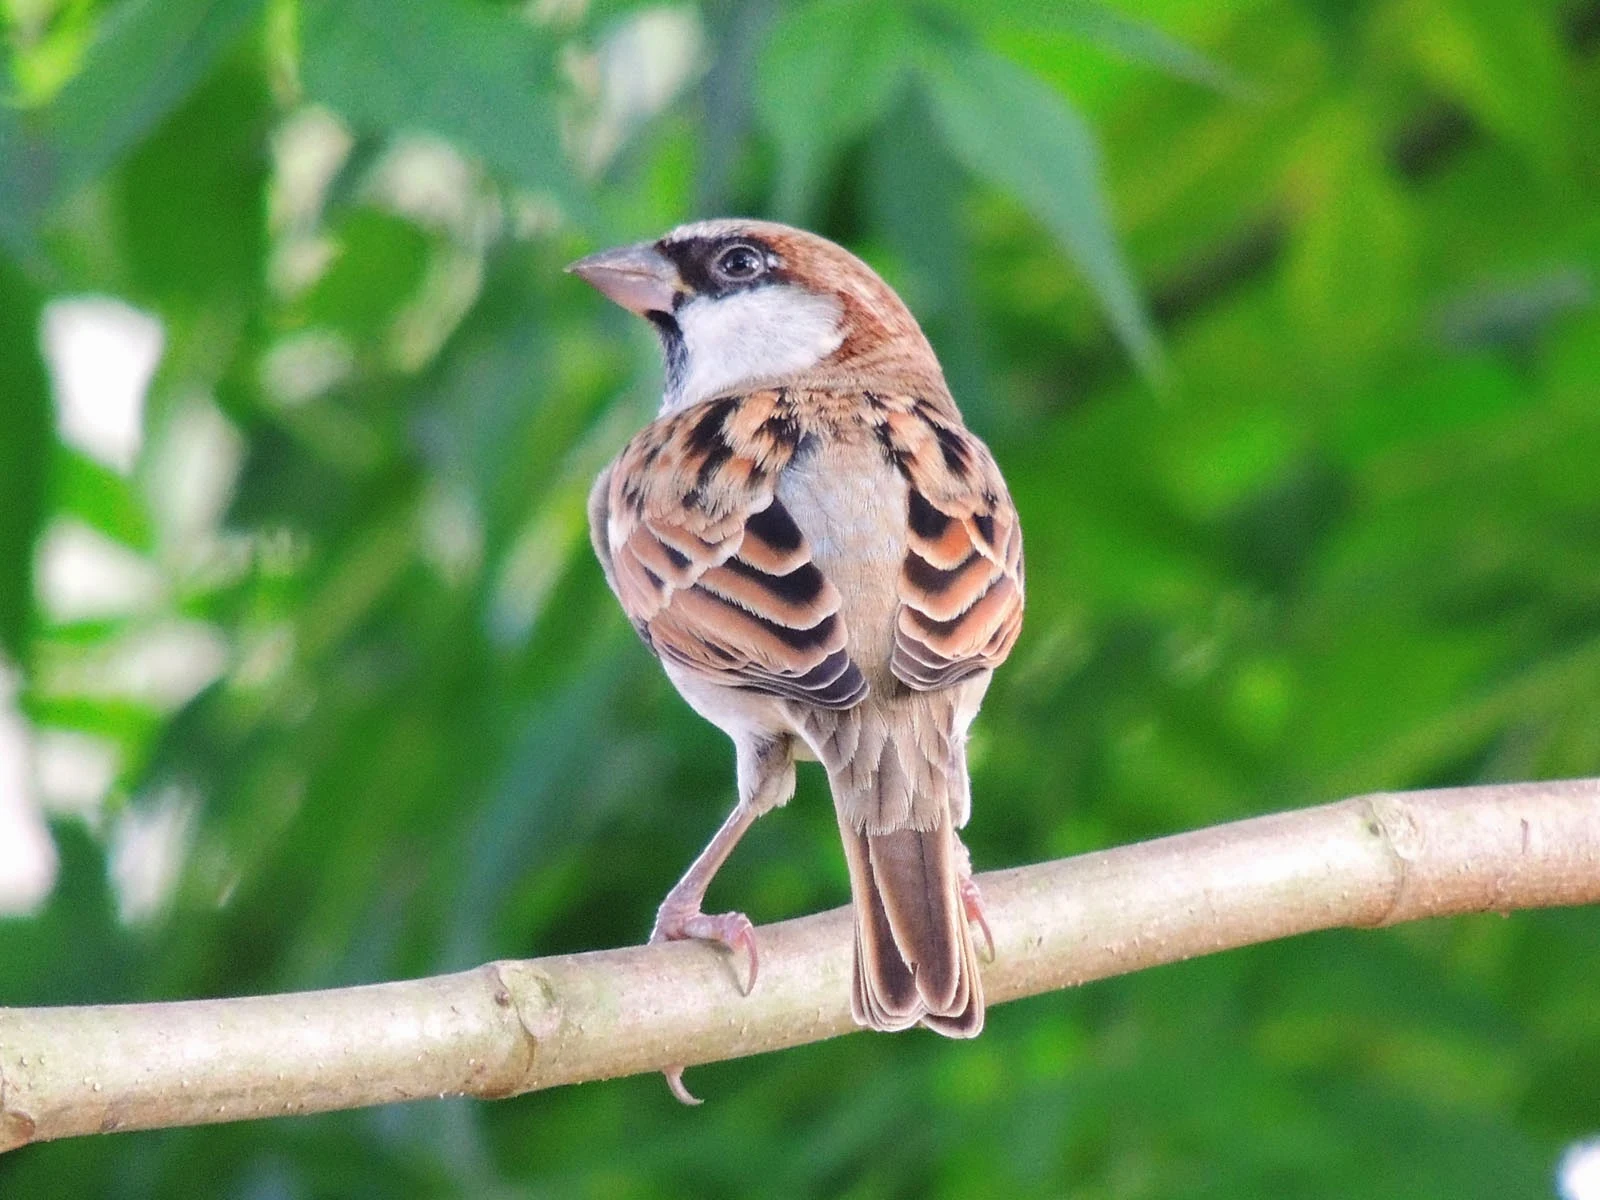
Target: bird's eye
{"points": [[740, 263]]}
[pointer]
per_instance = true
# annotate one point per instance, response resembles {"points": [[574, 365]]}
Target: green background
{"points": [[1280, 318]]}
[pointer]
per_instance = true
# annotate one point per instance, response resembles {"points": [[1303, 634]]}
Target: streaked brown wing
{"points": [[708, 564], [961, 587]]}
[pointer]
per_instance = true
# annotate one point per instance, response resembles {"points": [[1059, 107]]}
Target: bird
{"points": [[828, 565]]}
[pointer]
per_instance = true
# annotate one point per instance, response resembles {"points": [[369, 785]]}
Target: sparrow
{"points": [[828, 566]]}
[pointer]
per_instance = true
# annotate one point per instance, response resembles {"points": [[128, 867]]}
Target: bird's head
{"points": [[741, 304]]}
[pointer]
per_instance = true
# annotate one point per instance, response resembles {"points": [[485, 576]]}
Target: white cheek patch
{"points": [[765, 333]]}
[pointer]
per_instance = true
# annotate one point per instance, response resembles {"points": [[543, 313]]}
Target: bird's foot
{"points": [[972, 902], [733, 931]]}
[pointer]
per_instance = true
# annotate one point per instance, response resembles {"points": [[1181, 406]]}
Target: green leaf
{"points": [[148, 56], [1350, 263], [479, 77], [1141, 42], [101, 498], [24, 452], [192, 199], [27, 177], [381, 261], [1012, 130], [126, 722], [829, 72], [1105, 27], [1503, 62], [69, 953], [912, 193]]}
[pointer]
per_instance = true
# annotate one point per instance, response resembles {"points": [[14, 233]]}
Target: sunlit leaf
{"points": [[1137, 40], [1503, 62], [1143, 42], [101, 498], [1349, 268]]}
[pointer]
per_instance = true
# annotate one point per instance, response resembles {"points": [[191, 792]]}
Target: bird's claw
{"points": [[680, 1093], [972, 901], [733, 931]]}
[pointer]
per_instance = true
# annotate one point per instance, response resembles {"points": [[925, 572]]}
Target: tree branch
{"points": [[512, 1027]]}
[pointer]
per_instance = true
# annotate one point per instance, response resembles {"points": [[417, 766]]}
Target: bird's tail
{"points": [[915, 959], [898, 773]]}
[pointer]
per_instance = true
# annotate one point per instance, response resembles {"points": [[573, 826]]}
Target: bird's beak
{"points": [[640, 278]]}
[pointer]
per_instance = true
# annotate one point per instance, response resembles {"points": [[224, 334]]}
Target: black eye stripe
{"points": [[700, 264]]}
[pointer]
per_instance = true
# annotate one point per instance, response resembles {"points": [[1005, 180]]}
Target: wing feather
{"points": [[961, 585], [717, 576], [709, 565]]}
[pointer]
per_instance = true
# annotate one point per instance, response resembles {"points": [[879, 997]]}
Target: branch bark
{"points": [[512, 1027]]}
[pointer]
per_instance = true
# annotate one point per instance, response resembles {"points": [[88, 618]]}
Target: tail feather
{"points": [[915, 959], [964, 1019], [916, 880], [891, 1002]]}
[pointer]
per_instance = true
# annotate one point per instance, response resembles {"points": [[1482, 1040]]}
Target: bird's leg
{"points": [[766, 779], [972, 898], [680, 917]]}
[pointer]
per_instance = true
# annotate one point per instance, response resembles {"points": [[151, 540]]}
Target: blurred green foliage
{"points": [[1279, 315]]}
